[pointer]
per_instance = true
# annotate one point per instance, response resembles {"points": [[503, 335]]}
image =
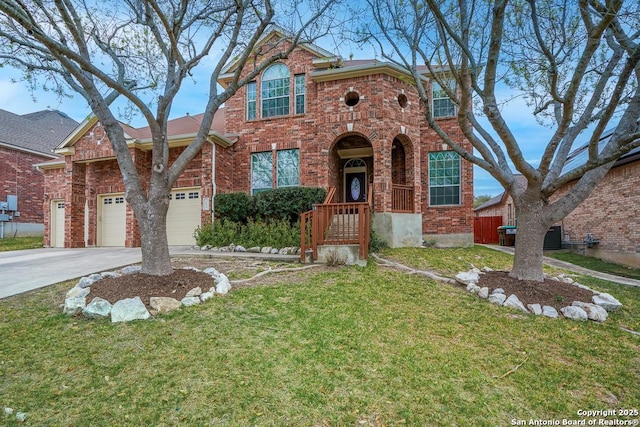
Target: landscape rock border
{"points": [[133, 308], [289, 250], [597, 310]]}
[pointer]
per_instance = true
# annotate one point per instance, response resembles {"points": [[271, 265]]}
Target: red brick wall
{"points": [[79, 182], [446, 219], [18, 177], [377, 118], [610, 214]]}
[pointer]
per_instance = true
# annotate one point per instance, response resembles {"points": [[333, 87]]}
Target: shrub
{"points": [[278, 234], [235, 207], [218, 233], [287, 203]]}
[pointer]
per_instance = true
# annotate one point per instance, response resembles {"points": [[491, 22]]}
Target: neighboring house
{"points": [[607, 225], [312, 120], [26, 140], [493, 213]]}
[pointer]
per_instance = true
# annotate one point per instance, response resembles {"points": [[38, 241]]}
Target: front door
{"points": [[355, 187]]}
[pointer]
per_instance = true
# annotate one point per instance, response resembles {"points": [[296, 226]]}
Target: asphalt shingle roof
{"points": [[40, 131]]}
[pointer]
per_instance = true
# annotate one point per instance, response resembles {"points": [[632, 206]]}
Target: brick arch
{"points": [[402, 160], [344, 147]]}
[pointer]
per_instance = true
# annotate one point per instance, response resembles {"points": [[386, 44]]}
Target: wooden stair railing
{"points": [[336, 224]]}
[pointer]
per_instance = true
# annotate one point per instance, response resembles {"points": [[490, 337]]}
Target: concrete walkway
{"points": [[572, 267], [26, 270]]}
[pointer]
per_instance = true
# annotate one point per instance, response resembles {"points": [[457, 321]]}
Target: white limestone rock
{"points": [[607, 302], [274, 251], [473, 288], [98, 308], [266, 250], [483, 292], [164, 304], [110, 274], [129, 309], [240, 248], [189, 301], [74, 305], [514, 302], [498, 291], [549, 311], [497, 298], [87, 281], [535, 309], [131, 269], [254, 249], [574, 313], [467, 277], [223, 286], [206, 295], [77, 292], [594, 312], [195, 292], [211, 271]]}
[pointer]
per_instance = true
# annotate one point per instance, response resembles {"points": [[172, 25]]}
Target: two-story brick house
{"points": [[311, 120]]}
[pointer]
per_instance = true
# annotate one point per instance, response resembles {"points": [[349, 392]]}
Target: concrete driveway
{"points": [[22, 271]]}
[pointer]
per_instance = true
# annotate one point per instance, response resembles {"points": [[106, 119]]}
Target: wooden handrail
{"points": [[402, 198]]}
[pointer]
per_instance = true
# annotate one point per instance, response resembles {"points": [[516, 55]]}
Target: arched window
{"points": [[275, 91]]}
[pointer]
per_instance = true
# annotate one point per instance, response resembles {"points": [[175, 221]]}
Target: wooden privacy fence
{"points": [[485, 229], [336, 224]]}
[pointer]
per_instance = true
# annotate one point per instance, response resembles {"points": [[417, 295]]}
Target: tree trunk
{"points": [[531, 231], [152, 222]]}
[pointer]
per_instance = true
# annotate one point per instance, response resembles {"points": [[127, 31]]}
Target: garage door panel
{"points": [[183, 216], [113, 220]]}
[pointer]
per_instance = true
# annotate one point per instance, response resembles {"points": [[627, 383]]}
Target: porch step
{"points": [[343, 227]]}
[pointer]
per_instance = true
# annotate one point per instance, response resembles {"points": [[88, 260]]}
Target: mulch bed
{"points": [[145, 286], [550, 292]]}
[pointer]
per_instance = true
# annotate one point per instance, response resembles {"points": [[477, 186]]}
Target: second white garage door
{"points": [[183, 216]]}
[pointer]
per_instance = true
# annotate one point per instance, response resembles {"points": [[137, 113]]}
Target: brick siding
{"points": [[19, 177]]}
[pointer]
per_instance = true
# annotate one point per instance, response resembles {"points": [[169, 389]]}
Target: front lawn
{"points": [[19, 243], [353, 346]]}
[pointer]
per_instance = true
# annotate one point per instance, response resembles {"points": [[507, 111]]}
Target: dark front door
{"points": [[355, 187]]}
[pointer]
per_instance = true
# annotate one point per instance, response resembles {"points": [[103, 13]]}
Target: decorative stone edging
{"points": [[289, 250], [597, 310], [133, 308]]}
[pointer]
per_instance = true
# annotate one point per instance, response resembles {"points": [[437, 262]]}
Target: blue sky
{"points": [[16, 98]]}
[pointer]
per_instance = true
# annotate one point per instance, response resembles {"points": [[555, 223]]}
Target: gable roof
{"points": [[502, 197], [180, 129], [39, 132]]}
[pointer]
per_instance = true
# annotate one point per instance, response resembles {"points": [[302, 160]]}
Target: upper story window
{"points": [[300, 92], [443, 106], [252, 97], [275, 91], [444, 178]]}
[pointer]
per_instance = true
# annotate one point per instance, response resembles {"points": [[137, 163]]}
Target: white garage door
{"points": [[57, 224], [112, 220], [183, 216]]}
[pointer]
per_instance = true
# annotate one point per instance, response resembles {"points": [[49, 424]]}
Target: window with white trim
{"points": [[300, 91], [444, 178], [285, 166], [288, 168], [275, 91], [443, 106], [261, 171], [252, 97]]}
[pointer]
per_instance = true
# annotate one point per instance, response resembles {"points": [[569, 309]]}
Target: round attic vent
{"points": [[352, 98], [402, 100]]}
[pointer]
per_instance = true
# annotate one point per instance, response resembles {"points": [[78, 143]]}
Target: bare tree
{"points": [[575, 61], [144, 51]]}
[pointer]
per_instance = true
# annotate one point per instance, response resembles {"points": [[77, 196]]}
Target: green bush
{"points": [[218, 233], [235, 207], [286, 203], [278, 234]]}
